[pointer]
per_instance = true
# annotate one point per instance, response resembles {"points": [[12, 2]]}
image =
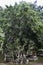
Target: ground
{"points": [[36, 63], [28, 64]]}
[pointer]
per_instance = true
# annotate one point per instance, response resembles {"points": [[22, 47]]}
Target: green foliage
{"points": [[22, 27]]}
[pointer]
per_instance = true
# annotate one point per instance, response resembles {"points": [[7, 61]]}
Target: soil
{"points": [[35, 63], [29, 64]]}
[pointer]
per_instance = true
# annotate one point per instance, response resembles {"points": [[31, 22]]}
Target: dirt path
{"points": [[36, 63], [2, 64], [29, 64]]}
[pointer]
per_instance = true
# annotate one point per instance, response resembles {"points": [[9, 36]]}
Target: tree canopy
{"points": [[21, 27]]}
